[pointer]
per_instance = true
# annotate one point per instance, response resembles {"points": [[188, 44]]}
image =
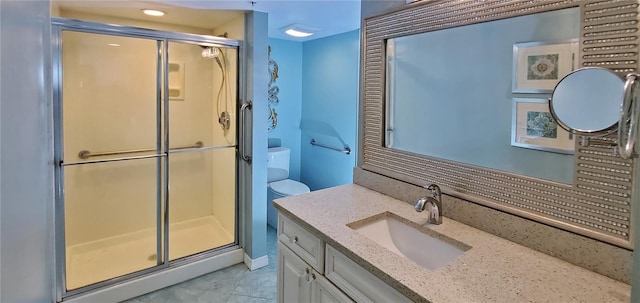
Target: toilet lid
{"points": [[289, 187]]}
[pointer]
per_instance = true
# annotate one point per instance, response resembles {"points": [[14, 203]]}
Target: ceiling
{"points": [[330, 17]]}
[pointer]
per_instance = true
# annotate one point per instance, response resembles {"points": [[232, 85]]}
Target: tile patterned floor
{"points": [[235, 284]]}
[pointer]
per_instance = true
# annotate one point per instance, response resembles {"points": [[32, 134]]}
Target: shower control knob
{"points": [[224, 120]]}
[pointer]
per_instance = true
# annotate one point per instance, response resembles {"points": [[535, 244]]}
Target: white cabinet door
{"points": [[294, 277], [322, 291]]}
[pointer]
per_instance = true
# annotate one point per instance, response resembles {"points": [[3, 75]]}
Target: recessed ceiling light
{"points": [[299, 31], [153, 12]]}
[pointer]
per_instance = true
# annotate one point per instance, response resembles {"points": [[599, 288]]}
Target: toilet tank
{"points": [[278, 163]]}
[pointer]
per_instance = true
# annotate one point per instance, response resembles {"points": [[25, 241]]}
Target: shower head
{"points": [[210, 52]]}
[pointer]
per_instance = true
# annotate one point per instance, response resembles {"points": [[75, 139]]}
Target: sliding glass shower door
{"points": [[112, 154], [146, 153], [202, 85]]}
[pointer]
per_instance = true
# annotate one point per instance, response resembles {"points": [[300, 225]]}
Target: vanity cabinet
{"points": [[299, 282], [301, 264]]}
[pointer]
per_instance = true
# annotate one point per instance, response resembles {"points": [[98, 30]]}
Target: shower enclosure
{"points": [[146, 165]]}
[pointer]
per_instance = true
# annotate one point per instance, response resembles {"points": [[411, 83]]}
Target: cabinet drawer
{"points": [[356, 282], [306, 245]]}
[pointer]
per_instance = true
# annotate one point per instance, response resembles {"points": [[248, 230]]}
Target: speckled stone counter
{"points": [[493, 270]]}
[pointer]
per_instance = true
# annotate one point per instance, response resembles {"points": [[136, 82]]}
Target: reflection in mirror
{"points": [[450, 92], [587, 101]]}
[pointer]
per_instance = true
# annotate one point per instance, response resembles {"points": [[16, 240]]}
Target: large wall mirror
{"points": [[457, 84], [456, 92]]}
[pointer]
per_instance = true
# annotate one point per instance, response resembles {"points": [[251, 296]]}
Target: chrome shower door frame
{"points": [[162, 151]]}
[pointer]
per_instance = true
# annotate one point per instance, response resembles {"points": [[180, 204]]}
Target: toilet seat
{"points": [[288, 187]]}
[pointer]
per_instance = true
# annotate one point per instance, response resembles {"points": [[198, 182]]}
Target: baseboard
{"points": [[256, 263], [162, 279]]}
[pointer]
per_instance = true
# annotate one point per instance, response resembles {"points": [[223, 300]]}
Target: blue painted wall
{"points": [[288, 56], [254, 176], [330, 72], [318, 82]]}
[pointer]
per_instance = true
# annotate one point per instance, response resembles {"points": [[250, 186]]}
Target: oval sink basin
{"points": [[419, 244]]}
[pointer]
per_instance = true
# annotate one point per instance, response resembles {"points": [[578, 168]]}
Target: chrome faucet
{"points": [[433, 204]]}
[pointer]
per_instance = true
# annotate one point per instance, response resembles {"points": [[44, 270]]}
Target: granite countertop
{"points": [[493, 270]]}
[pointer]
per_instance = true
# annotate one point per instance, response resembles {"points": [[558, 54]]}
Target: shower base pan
{"points": [[112, 257]]}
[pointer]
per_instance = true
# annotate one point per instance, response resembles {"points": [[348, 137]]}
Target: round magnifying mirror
{"points": [[587, 101]]}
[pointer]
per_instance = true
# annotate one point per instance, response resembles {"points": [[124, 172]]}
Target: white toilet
{"points": [[278, 185]]}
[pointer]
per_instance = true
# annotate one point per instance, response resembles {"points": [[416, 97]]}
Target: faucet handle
{"points": [[435, 190]]}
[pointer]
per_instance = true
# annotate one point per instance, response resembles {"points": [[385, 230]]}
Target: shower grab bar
{"points": [[346, 150], [85, 154], [113, 160]]}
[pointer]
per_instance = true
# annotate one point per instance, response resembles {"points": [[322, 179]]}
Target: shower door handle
{"points": [[243, 133]]}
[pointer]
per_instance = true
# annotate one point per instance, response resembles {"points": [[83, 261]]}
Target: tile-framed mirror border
{"points": [[596, 205]]}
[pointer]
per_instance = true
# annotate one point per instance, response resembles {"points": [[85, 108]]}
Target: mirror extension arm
{"points": [[627, 126]]}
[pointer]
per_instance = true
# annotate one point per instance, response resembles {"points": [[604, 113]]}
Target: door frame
{"points": [[162, 38]]}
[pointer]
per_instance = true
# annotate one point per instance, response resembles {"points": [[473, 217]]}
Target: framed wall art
{"points": [[532, 126], [538, 66]]}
